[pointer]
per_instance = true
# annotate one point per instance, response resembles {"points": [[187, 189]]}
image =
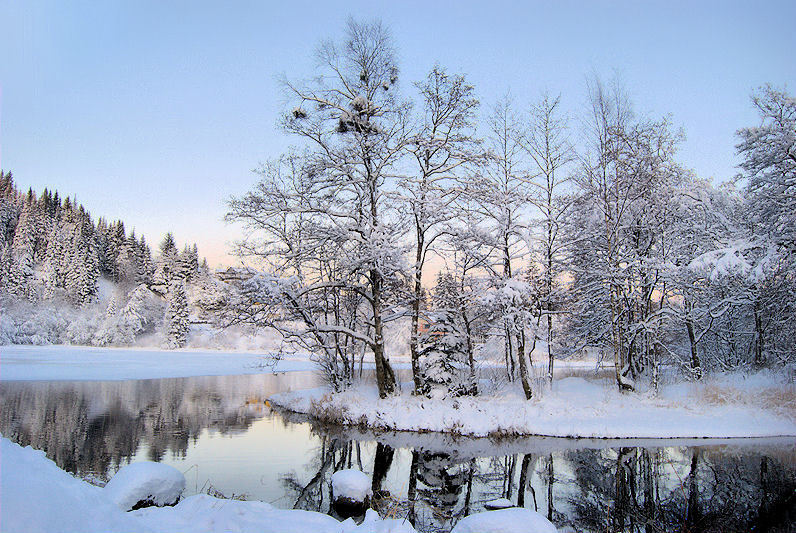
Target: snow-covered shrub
{"points": [[123, 325], [82, 327]]}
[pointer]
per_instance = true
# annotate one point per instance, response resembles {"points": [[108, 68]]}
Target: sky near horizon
{"points": [[156, 112]]}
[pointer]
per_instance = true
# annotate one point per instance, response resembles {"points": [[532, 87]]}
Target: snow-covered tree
{"points": [[500, 198], [769, 166], [327, 227], [167, 265], [442, 148], [23, 249], [176, 323], [547, 143], [106, 333], [447, 347], [618, 234]]}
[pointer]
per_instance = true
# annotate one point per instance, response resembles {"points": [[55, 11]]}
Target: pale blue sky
{"points": [[156, 111]]}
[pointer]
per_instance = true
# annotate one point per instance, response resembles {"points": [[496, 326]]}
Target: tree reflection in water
{"points": [[430, 480]]}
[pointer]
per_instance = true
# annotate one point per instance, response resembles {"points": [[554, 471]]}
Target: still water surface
{"points": [[223, 435]]}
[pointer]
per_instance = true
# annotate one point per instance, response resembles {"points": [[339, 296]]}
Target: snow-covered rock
{"points": [[500, 503], [516, 520], [351, 484], [145, 484]]}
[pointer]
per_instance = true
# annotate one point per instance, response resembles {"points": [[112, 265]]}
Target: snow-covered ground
{"points": [[723, 406], [107, 364], [37, 496]]}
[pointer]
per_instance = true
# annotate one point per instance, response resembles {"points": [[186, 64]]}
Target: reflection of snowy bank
{"points": [[724, 406]]}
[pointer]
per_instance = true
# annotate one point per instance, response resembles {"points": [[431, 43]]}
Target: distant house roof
{"points": [[235, 274]]}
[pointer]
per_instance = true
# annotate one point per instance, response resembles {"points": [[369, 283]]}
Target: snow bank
{"points": [[27, 363], [38, 497], [144, 484], [514, 520], [576, 407], [206, 514], [351, 484]]}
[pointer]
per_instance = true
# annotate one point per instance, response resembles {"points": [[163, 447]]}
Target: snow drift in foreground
{"points": [[515, 520], [726, 406], [38, 497]]}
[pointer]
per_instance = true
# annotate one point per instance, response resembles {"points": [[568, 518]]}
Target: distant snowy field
{"points": [[100, 364], [762, 404]]}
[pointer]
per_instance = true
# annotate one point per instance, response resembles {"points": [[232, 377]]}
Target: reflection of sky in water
{"points": [[219, 432], [249, 462]]}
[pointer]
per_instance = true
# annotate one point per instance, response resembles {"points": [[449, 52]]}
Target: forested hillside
{"points": [[67, 279]]}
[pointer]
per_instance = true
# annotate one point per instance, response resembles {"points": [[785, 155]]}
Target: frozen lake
{"points": [[222, 433]]}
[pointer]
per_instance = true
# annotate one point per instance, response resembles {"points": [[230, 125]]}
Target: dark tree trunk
{"points": [[385, 377]]}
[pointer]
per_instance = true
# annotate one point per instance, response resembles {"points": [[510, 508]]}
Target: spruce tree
{"points": [[23, 249], [176, 321]]}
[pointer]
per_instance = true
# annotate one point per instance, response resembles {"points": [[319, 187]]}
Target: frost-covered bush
{"points": [[26, 323], [122, 325], [82, 327], [59, 322]]}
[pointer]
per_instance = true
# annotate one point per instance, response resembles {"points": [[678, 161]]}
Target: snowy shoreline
{"points": [[85, 363], [720, 407]]}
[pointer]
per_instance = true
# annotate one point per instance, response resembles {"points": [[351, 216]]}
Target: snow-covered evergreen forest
{"points": [[65, 279], [504, 230]]}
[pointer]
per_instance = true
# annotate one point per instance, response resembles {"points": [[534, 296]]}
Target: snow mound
{"points": [[205, 514], [351, 484], [516, 520], [145, 484]]}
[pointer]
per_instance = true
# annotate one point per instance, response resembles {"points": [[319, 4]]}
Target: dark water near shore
{"points": [[221, 432]]}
